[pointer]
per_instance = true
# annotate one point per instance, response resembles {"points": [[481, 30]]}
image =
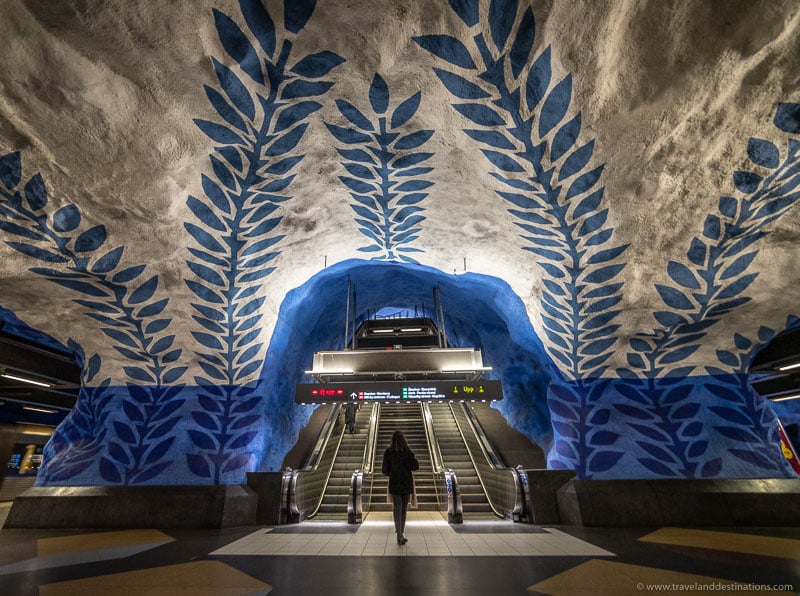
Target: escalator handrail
{"points": [[433, 443], [368, 461], [322, 441], [477, 431], [295, 512], [437, 461], [488, 451], [355, 501]]}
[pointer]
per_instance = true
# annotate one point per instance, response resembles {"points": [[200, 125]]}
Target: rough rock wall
{"points": [[627, 168]]}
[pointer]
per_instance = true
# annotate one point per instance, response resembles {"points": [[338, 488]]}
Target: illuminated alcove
{"points": [[480, 311]]}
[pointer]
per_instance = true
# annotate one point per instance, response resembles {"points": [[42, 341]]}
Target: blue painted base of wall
{"points": [[682, 427]]}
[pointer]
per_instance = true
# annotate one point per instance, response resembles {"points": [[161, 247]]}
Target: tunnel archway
{"points": [[480, 311]]}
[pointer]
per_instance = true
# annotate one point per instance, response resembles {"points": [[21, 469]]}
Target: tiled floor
{"points": [[478, 557], [428, 534]]}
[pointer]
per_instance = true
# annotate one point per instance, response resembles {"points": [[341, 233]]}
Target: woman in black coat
{"points": [[398, 463]]}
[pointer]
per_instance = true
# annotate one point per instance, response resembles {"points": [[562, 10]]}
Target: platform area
{"points": [[479, 557]]}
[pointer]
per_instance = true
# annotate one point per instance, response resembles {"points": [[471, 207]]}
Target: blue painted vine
{"points": [[124, 307], [260, 121], [385, 175], [521, 112], [708, 286]]}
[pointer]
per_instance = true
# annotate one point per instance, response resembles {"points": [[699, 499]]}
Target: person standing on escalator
{"points": [[350, 410], [398, 464]]}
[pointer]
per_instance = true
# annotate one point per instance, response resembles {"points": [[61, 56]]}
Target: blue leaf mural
{"points": [[557, 199], [384, 178], [125, 307], [706, 288], [234, 235]]}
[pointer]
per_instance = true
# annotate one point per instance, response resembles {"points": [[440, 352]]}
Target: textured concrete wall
{"points": [[171, 171]]}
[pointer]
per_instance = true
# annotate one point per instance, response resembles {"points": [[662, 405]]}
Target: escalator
{"points": [[349, 457], [407, 418], [459, 472], [456, 456]]}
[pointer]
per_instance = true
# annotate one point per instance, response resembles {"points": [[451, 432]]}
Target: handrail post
{"points": [[455, 509], [294, 513], [523, 494], [286, 480], [355, 508]]}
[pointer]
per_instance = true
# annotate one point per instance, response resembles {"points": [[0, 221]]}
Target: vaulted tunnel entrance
{"points": [[480, 311]]}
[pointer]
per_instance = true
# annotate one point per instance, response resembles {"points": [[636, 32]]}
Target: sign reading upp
{"points": [[261, 121]]}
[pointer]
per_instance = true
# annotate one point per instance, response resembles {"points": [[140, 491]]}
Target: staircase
{"points": [[455, 455], [348, 460], [407, 418]]}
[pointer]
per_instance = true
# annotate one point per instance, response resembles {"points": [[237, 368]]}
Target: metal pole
{"points": [[441, 315], [355, 318], [347, 315], [436, 314]]}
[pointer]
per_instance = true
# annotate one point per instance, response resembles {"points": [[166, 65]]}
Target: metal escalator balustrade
{"points": [[503, 486], [456, 456], [355, 499], [450, 498], [349, 457], [303, 489]]}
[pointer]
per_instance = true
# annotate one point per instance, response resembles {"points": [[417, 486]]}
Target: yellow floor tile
{"points": [[599, 577], [200, 578], [98, 541], [727, 541]]}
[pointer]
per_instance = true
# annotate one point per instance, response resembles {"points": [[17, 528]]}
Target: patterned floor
{"points": [[477, 557]]}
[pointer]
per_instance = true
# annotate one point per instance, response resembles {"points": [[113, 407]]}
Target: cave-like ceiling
{"points": [[170, 171], [556, 145]]}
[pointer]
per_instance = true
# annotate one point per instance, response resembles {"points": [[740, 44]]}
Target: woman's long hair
{"points": [[398, 442]]}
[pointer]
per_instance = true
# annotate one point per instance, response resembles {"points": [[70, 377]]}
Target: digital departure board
{"points": [[371, 391]]}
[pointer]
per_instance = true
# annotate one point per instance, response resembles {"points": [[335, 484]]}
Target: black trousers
{"points": [[399, 508]]}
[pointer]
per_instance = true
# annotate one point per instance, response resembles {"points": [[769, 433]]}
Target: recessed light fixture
{"points": [[43, 410], [788, 397], [24, 380]]}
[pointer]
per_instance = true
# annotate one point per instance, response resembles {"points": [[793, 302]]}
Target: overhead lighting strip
{"points": [[24, 380], [43, 410], [789, 366], [788, 397]]}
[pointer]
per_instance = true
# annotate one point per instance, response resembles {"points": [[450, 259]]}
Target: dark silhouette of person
{"points": [[398, 464], [350, 410]]}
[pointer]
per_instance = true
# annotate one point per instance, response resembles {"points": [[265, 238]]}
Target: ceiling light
{"points": [[44, 410], [24, 380], [788, 397], [789, 366], [411, 329]]}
